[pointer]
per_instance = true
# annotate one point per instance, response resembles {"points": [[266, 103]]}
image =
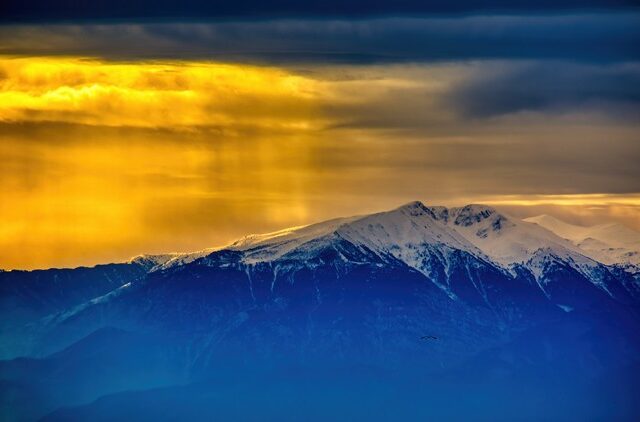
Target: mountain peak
{"points": [[465, 215], [403, 232], [609, 243], [413, 208], [471, 214]]}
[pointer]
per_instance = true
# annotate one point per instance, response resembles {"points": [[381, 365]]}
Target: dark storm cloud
{"points": [[48, 10], [550, 87], [583, 37]]}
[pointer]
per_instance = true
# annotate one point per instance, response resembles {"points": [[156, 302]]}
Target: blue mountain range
{"points": [[418, 313]]}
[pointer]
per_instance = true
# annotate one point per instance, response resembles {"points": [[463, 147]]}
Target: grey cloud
{"points": [[451, 100], [549, 87], [57, 10], [584, 37]]}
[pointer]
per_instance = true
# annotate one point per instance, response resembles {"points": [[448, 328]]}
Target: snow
{"points": [[415, 233], [505, 239], [69, 313], [403, 231], [565, 308], [164, 261], [609, 243], [271, 246], [426, 238], [410, 232]]}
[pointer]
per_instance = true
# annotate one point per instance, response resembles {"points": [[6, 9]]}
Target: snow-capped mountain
{"points": [[361, 290], [164, 261], [418, 236], [506, 240], [477, 229], [609, 243]]}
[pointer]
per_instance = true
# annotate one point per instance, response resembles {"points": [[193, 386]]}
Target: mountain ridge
{"points": [[463, 217], [345, 293], [610, 243]]}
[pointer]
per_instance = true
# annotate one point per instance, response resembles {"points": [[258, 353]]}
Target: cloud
{"points": [[454, 99], [46, 10], [580, 209], [445, 99], [604, 37], [160, 95], [105, 159], [549, 87]]}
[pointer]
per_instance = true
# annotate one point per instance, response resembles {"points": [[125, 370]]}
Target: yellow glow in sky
{"points": [[101, 161], [152, 95], [592, 200]]}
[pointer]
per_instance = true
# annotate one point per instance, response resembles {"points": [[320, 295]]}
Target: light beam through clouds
{"points": [[105, 159]]}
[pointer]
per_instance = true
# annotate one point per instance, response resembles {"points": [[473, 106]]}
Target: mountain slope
{"points": [[609, 243], [473, 253], [28, 296], [419, 235], [505, 239], [415, 292], [463, 253]]}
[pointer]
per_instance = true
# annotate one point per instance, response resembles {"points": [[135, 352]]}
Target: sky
{"points": [[173, 126]]}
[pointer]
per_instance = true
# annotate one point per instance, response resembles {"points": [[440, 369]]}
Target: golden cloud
{"points": [[166, 95], [104, 160]]}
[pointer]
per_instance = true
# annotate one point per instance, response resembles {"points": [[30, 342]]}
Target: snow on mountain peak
{"points": [[151, 261], [270, 246], [409, 233], [505, 239], [609, 243], [163, 261], [406, 227], [471, 214], [416, 207], [411, 230]]}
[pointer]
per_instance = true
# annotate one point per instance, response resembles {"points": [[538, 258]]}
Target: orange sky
{"points": [[105, 160]]}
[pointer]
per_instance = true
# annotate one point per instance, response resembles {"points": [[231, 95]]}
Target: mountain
{"points": [[416, 235], [410, 303], [610, 243], [28, 296]]}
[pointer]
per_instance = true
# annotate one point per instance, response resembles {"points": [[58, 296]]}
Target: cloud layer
{"points": [[122, 138], [153, 95], [47, 10], [603, 37]]}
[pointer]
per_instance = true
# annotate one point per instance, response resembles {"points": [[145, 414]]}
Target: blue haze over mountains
{"points": [[327, 322]]}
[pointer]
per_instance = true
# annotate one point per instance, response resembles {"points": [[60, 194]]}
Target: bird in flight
{"points": [[428, 338]]}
